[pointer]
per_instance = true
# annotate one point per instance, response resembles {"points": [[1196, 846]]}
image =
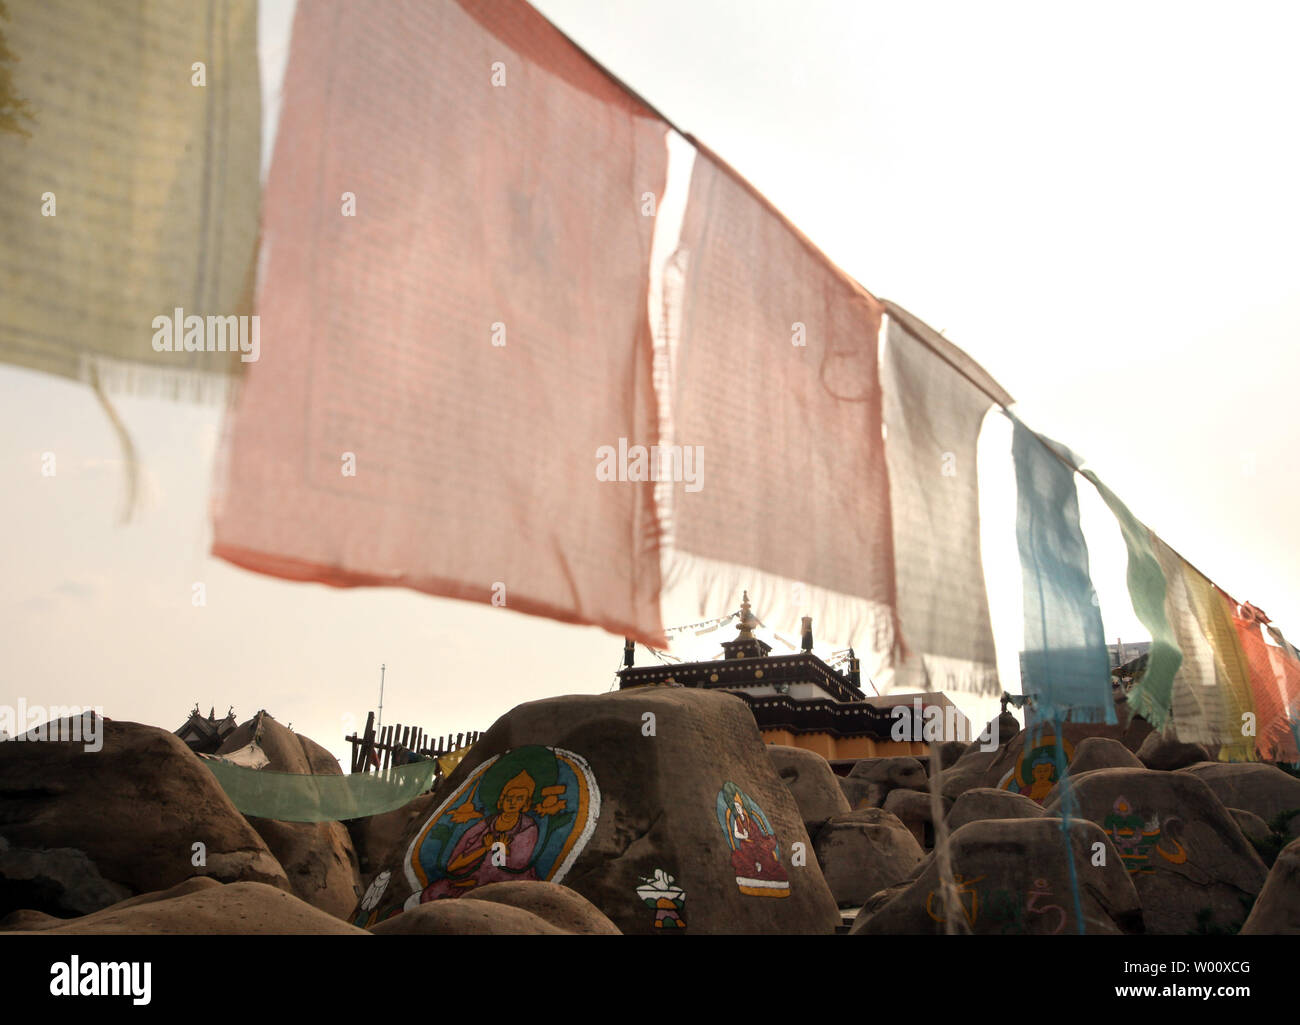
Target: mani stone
{"points": [[813, 784], [1263, 789], [318, 857], [659, 793], [1193, 868], [1012, 877], [134, 810], [1277, 909], [1075, 735], [862, 852]]}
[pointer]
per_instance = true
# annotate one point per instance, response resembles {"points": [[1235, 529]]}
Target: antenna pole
{"points": [[381, 698]]}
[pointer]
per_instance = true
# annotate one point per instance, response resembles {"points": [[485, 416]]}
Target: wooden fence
{"points": [[399, 742]]}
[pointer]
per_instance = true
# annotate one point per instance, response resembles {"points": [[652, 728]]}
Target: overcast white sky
{"points": [[1096, 201]]}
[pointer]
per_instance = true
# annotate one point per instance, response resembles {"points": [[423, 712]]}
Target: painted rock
{"points": [[862, 852], [815, 787], [318, 857], [1012, 876], [1277, 909], [134, 809], [1194, 869], [1028, 764], [659, 805], [989, 803]]}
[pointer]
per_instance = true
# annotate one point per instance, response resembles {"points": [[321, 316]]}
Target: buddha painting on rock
{"points": [[1035, 773], [522, 816], [496, 849]]}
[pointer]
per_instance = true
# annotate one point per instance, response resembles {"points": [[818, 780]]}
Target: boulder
{"points": [[987, 803], [1193, 868], [1102, 753], [865, 851], [967, 772], [1168, 753], [861, 794], [1277, 908], [375, 838], [563, 908], [34, 920], [287, 751], [1012, 877], [318, 857], [465, 918], [871, 779], [894, 772], [68, 879], [1027, 764], [950, 751], [134, 810], [1007, 727], [237, 909], [816, 789], [23, 920], [660, 805], [913, 808], [1253, 786]]}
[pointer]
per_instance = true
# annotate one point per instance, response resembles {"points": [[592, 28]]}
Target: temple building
{"points": [[204, 736], [799, 700]]}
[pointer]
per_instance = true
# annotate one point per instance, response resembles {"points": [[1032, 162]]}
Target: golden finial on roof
{"points": [[747, 619]]}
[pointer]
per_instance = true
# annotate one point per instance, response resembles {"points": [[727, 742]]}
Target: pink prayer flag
{"points": [[453, 319], [775, 380]]}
